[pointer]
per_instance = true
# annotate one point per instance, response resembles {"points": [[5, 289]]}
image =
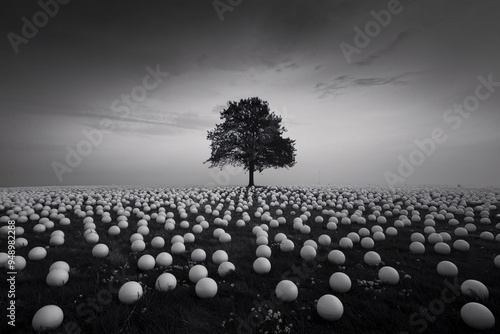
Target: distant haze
{"points": [[351, 118]]}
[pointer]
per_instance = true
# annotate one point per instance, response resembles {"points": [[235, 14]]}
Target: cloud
{"points": [[343, 82]]}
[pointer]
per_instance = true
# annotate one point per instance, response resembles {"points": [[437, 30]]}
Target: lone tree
{"points": [[250, 136]]}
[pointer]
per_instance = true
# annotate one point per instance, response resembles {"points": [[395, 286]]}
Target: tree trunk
{"points": [[251, 168]]}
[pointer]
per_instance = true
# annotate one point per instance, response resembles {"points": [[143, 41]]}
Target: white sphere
{"points": [[330, 308], [286, 291], [100, 250], [279, 237], [138, 246], [367, 243], [336, 257], [417, 247], [165, 282], [146, 262], [461, 245], [497, 261], [287, 245], [130, 292], [56, 240], [447, 268], [418, 237], [345, 243], [475, 289], [340, 282], [57, 277], [198, 255], [219, 256], [178, 248], [388, 275], [442, 248], [225, 238], [60, 265], [19, 262], [263, 251], [477, 316], [48, 317], [308, 253], [225, 268], [261, 265], [158, 242], [324, 240], [37, 254], [114, 230], [164, 259], [206, 288], [372, 258], [197, 272]]}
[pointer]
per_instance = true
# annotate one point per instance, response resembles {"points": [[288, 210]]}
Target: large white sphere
{"points": [[388, 275], [367, 243], [287, 245], [225, 268], [442, 248], [330, 308], [166, 282], [138, 246], [336, 257], [19, 263], [263, 251], [57, 277], [178, 248], [114, 230], [37, 253], [60, 265], [206, 288], [100, 250], [417, 247], [219, 256], [461, 245], [279, 237], [372, 258], [340, 282], [261, 265], [225, 238], [324, 240], [197, 272], [198, 255], [130, 292], [447, 268], [308, 253], [164, 259], [475, 289], [477, 316], [56, 240], [146, 262], [345, 243], [497, 261], [286, 291], [48, 317], [158, 242]]}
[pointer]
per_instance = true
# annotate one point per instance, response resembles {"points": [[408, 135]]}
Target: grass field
{"points": [[245, 301]]}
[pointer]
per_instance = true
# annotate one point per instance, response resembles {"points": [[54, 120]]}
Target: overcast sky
{"points": [[352, 117]]}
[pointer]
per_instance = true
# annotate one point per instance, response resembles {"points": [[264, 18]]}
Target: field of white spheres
{"points": [[250, 260]]}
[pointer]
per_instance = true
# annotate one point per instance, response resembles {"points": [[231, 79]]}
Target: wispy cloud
{"points": [[343, 82]]}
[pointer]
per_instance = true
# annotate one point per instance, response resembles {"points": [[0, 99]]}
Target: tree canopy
{"points": [[250, 136]]}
